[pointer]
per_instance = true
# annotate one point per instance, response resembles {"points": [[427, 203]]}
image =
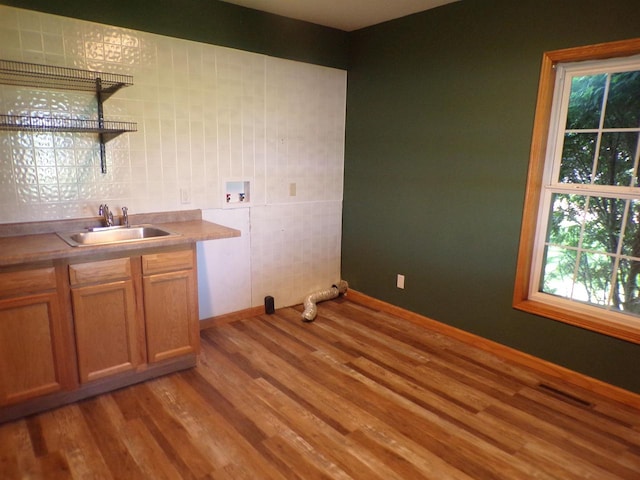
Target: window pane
{"points": [[585, 101], [616, 159], [565, 222], [580, 276], [627, 291], [623, 102], [593, 278], [631, 243], [559, 268], [578, 153], [602, 224]]}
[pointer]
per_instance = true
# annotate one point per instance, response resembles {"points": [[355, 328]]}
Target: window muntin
{"points": [[582, 205]]}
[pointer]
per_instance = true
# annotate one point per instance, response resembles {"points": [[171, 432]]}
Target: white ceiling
{"points": [[345, 15]]}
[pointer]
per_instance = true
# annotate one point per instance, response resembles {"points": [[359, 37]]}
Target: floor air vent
{"points": [[564, 395]]}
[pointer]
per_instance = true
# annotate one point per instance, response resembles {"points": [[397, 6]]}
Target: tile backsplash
{"points": [[205, 114]]}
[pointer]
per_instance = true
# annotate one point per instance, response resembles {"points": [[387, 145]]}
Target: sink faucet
{"points": [[125, 217], [106, 215]]}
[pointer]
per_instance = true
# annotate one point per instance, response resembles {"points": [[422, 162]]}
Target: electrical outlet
{"points": [[400, 281], [292, 189]]}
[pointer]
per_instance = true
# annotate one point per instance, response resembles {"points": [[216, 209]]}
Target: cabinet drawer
{"points": [[100, 272], [167, 262], [25, 281]]}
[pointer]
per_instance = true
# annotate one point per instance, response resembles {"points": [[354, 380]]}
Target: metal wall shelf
{"points": [[55, 124], [60, 78], [102, 84]]}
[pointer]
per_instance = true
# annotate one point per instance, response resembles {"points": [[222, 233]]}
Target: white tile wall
{"points": [[205, 114]]}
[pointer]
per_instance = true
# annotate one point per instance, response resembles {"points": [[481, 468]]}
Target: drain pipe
{"points": [[310, 309]]}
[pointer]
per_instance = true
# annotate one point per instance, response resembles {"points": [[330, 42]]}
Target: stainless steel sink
{"points": [[111, 235]]}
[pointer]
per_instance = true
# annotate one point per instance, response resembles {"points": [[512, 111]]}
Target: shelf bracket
{"points": [[103, 150]]}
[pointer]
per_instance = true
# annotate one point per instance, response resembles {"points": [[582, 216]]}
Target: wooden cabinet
{"points": [[108, 327], [117, 331], [170, 304], [78, 328], [33, 336]]}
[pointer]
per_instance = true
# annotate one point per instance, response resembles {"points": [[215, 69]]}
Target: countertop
{"points": [[37, 241]]}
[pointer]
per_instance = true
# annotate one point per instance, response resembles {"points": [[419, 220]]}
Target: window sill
{"points": [[604, 322]]}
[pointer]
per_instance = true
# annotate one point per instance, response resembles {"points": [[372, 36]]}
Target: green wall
{"points": [[210, 21], [440, 111]]}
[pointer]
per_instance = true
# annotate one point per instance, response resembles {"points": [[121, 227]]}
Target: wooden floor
{"points": [[355, 394]]}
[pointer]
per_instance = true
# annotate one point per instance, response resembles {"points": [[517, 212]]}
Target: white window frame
{"points": [[548, 137]]}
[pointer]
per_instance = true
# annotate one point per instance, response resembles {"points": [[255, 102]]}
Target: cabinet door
{"points": [[30, 347], [170, 303], [106, 329]]}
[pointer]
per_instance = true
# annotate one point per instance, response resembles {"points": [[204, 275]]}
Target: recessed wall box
{"points": [[237, 193]]}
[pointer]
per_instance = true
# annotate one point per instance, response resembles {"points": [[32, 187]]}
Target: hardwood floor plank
{"points": [[342, 383], [244, 425], [9, 466], [453, 349], [234, 383], [561, 458], [625, 414], [582, 421], [51, 465], [555, 464], [288, 321], [420, 369], [63, 427], [408, 459], [288, 459], [224, 445], [414, 422], [261, 327], [458, 364], [321, 436], [210, 449], [393, 460], [502, 435], [356, 394], [65, 430], [38, 443], [311, 425], [108, 437], [244, 396], [562, 443], [584, 433], [149, 456], [85, 463], [15, 446], [364, 337], [279, 372], [170, 435]]}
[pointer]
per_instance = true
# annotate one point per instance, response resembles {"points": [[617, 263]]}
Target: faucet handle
{"points": [[125, 216], [104, 212]]}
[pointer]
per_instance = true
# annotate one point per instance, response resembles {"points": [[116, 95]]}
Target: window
{"points": [[579, 257]]}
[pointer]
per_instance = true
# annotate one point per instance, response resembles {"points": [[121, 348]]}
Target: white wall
{"points": [[224, 266], [205, 114]]}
